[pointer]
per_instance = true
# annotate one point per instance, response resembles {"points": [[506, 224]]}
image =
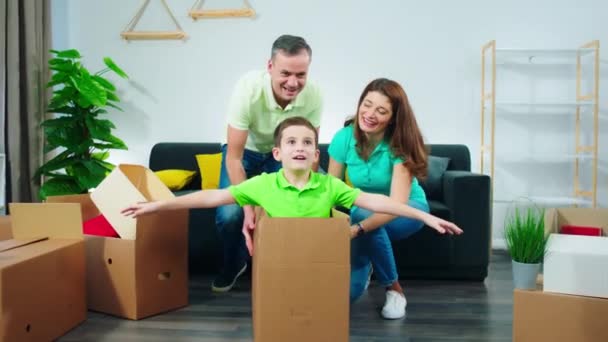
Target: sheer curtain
{"points": [[24, 45]]}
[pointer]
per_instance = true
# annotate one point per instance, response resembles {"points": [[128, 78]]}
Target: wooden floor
{"points": [[436, 311]]}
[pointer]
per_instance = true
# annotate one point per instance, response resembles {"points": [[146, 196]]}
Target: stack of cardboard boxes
{"points": [[50, 273], [573, 304]]}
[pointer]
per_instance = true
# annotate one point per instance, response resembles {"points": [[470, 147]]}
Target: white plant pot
{"points": [[524, 275]]}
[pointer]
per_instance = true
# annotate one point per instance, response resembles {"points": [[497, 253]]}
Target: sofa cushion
{"points": [[209, 166], [175, 179], [432, 185]]}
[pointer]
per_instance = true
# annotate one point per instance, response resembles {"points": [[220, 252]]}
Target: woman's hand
{"points": [[140, 208], [354, 229], [442, 226]]}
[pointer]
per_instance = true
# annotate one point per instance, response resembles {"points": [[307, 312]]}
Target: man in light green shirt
{"points": [[260, 101]]}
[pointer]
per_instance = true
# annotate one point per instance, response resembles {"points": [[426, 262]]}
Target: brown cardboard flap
{"points": [[126, 185], [55, 220], [595, 217], [146, 182], [14, 243], [87, 207]]}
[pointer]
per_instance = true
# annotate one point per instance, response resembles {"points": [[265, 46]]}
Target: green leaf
{"points": [[115, 143], [110, 63], [58, 122], [100, 156], [54, 164], [112, 96], [99, 129], [58, 187], [91, 90], [86, 178], [104, 83], [110, 104], [71, 53]]}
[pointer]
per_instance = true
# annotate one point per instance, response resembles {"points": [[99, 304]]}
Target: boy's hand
{"points": [[442, 226], [140, 208], [248, 227]]}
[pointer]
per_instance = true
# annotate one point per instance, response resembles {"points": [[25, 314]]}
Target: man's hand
{"points": [[248, 227]]}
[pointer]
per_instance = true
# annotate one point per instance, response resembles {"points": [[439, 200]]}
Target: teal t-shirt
{"points": [[374, 175], [279, 198]]}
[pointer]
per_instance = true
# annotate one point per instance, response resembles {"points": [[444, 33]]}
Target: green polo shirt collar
{"points": [[313, 182]]}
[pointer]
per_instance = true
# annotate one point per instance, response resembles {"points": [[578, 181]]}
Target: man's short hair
{"points": [[293, 121], [290, 45]]}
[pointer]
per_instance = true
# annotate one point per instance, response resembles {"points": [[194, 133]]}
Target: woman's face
{"points": [[375, 113]]}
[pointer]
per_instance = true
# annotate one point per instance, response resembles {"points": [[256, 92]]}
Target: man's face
{"points": [[298, 151], [288, 75]]}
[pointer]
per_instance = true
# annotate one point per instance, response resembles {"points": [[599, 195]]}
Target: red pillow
{"points": [[99, 226]]}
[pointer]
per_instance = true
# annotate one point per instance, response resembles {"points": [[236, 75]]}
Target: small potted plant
{"points": [[526, 242]]}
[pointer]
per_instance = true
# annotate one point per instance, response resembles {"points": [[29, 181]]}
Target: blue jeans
{"points": [[375, 247], [229, 218]]}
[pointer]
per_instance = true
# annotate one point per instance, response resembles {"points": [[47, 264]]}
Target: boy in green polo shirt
{"points": [[295, 190]]}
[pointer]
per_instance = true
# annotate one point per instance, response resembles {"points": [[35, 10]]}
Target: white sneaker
{"points": [[394, 306]]}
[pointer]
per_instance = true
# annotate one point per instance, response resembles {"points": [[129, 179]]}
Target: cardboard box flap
{"points": [[53, 220], [5, 228], [87, 207], [595, 217], [12, 243], [125, 185]]}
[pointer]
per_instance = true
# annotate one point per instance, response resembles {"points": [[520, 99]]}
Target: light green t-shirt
{"points": [[279, 198], [374, 175], [254, 108]]}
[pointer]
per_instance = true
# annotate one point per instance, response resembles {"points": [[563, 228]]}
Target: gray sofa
{"points": [[456, 195]]}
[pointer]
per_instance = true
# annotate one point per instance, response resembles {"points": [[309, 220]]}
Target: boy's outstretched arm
{"points": [[199, 199], [383, 204]]}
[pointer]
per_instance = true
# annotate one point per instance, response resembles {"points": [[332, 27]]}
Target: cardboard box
{"points": [[42, 273], [145, 272], [576, 264], [549, 317], [301, 273], [5, 228]]}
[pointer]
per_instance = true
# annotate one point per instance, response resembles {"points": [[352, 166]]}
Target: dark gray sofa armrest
{"points": [[467, 195]]}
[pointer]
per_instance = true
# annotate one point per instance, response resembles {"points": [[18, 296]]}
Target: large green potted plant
{"points": [[526, 242], [77, 133]]}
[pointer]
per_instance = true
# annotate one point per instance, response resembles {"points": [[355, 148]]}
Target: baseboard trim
{"points": [[499, 244]]}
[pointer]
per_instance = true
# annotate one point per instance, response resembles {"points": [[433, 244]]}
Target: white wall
{"points": [[178, 89]]}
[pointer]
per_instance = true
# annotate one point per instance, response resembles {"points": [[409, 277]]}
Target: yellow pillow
{"points": [[209, 166], [175, 179]]}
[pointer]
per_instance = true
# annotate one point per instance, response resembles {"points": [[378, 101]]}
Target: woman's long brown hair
{"points": [[402, 133]]}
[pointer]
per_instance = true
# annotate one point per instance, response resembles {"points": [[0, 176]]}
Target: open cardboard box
{"points": [[42, 272], [301, 274], [551, 317], [145, 272], [576, 264]]}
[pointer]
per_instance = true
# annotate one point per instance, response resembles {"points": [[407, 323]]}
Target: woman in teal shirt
{"points": [[382, 151]]}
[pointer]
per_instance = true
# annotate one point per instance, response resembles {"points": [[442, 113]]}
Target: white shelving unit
{"points": [[584, 107]]}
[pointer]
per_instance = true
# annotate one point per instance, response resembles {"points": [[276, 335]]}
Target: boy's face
{"points": [[298, 150]]}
